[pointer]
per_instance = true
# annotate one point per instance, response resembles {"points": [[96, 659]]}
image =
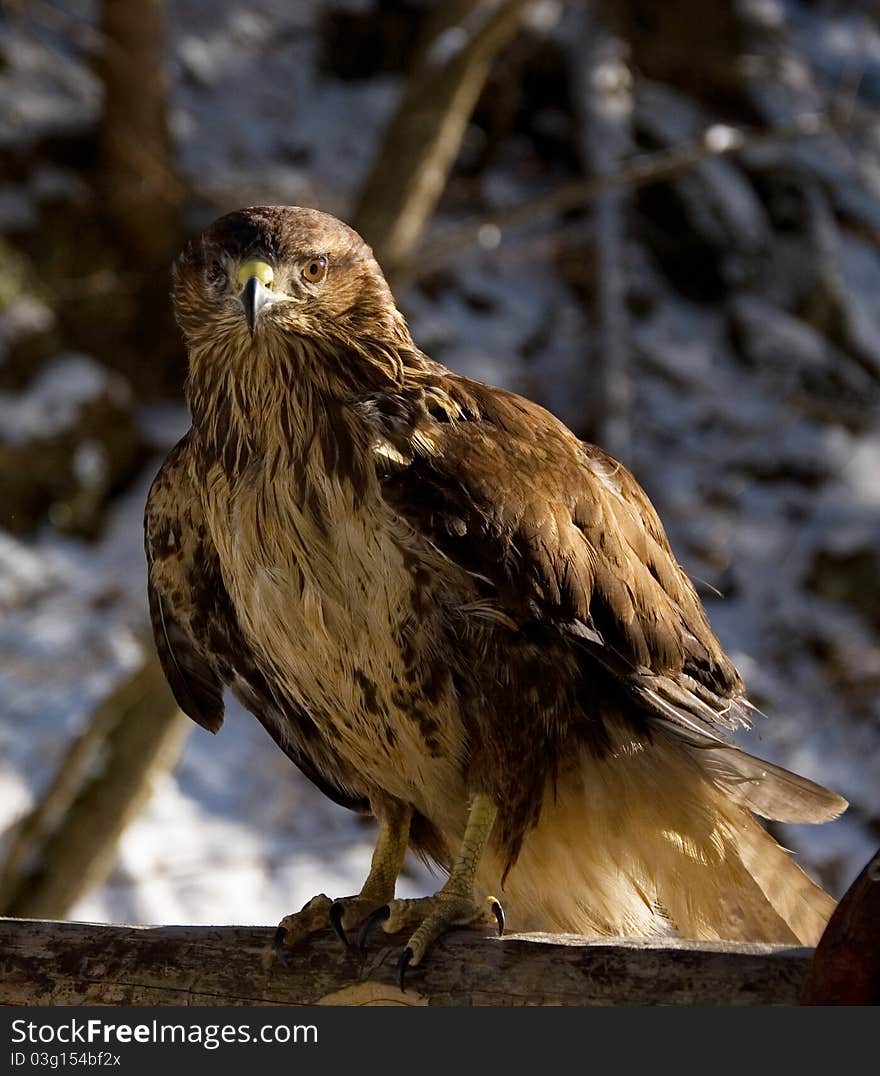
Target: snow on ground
{"points": [[236, 834]]}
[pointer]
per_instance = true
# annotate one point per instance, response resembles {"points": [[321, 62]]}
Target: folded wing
{"points": [[555, 530]]}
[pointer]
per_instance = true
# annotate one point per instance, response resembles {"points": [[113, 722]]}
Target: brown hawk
{"points": [[452, 613]]}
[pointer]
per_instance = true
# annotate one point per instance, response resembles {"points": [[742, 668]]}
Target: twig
{"points": [[717, 141]]}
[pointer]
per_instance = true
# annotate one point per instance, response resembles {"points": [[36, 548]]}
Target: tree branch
{"points": [[67, 844], [47, 963], [717, 141], [423, 139]]}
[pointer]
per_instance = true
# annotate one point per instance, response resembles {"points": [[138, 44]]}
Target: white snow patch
{"points": [[52, 401]]}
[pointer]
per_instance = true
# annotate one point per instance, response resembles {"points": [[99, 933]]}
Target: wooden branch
{"points": [[421, 143], [53, 963], [67, 844], [142, 193], [642, 171]]}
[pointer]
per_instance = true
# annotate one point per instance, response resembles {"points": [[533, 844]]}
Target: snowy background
{"points": [[754, 421]]}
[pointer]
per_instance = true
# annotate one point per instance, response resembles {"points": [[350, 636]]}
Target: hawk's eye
{"points": [[315, 271], [216, 274]]}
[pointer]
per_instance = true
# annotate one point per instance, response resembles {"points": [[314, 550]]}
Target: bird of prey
{"points": [[452, 613]]}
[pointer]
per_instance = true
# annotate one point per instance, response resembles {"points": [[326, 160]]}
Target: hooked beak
{"points": [[255, 279], [254, 297]]}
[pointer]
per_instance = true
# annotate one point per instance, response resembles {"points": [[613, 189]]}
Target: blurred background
{"points": [[662, 221]]}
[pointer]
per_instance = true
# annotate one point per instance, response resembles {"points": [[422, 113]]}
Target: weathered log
{"points": [[60, 963]]}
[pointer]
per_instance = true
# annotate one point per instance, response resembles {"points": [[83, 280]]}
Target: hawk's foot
{"points": [[348, 912], [342, 914], [315, 915], [454, 905], [429, 918]]}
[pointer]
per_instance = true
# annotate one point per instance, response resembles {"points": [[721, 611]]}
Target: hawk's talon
{"points": [[498, 912], [404, 962], [298, 926], [278, 945], [337, 910], [378, 916]]}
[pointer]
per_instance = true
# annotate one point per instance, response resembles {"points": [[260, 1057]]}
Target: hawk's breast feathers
{"points": [[198, 637]]}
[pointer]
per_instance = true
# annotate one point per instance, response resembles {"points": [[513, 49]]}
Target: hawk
{"points": [[452, 613]]}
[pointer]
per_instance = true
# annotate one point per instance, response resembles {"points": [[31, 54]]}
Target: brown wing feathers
{"points": [[561, 529], [179, 592], [562, 533]]}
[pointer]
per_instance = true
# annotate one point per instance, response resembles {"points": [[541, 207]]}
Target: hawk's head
{"points": [[275, 279]]}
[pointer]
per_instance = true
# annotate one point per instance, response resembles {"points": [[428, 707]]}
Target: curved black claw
{"points": [[499, 916], [405, 957], [278, 944], [378, 916], [337, 910]]}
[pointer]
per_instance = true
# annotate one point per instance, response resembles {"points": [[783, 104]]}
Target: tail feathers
{"points": [[742, 886], [646, 842], [694, 715], [797, 900], [770, 791]]}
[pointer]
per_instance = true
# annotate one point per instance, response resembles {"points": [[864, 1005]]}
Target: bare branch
{"points": [[604, 104], [67, 844], [141, 189], [422, 141], [642, 171]]}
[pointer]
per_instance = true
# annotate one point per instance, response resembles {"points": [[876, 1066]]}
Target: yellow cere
{"points": [[261, 270]]}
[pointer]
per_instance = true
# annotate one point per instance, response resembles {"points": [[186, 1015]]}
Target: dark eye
{"points": [[216, 274], [315, 271]]}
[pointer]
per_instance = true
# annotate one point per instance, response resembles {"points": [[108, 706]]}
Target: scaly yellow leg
{"points": [[454, 905], [347, 912]]}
